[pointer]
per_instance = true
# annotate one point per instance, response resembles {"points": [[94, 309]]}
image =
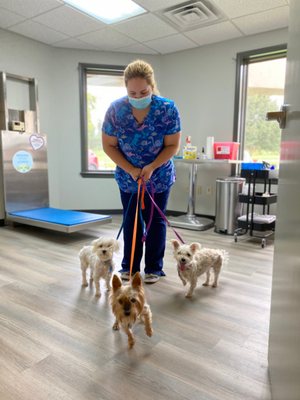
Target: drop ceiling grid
{"points": [[54, 23], [30, 8], [68, 21]]}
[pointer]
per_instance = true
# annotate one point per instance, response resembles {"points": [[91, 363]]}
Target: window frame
{"points": [[97, 69], [243, 60]]}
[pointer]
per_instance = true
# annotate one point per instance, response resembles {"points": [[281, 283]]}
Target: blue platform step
{"points": [[56, 219]]}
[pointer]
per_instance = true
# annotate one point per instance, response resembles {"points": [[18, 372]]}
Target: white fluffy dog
{"points": [[99, 258], [194, 260]]}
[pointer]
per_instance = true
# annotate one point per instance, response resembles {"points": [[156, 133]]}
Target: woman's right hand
{"points": [[135, 173]]}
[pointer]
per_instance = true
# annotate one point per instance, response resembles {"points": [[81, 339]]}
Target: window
{"points": [[260, 88], [99, 85]]}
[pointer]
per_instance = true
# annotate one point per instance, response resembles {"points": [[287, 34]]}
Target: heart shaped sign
{"points": [[36, 142]]}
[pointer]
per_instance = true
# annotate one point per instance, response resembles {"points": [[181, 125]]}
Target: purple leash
{"points": [[160, 213]]}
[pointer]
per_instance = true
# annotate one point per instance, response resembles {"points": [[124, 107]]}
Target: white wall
{"points": [[201, 81]]}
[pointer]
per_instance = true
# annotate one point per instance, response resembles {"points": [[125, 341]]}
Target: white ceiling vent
{"points": [[192, 14]]}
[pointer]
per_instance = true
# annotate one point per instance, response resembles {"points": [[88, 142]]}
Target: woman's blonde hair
{"points": [[140, 69]]}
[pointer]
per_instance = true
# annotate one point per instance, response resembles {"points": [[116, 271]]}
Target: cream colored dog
{"points": [[99, 258], [194, 260]]}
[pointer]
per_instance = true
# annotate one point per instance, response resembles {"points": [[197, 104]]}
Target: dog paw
{"points": [[149, 332], [84, 284], [214, 285], [131, 343], [205, 284], [97, 294], [189, 295], [184, 283], [116, 326]]}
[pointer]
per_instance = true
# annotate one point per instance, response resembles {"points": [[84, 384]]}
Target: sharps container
{"points": [[228, 207]]}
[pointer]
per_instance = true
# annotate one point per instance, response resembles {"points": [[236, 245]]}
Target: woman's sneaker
{"points": [[125, 276], [151, 278]]}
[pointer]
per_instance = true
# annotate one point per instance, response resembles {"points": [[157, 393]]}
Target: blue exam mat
{"points": [[58, 216]]}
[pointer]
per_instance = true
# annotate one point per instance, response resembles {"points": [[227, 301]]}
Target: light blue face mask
{"points": [[140, 103]]}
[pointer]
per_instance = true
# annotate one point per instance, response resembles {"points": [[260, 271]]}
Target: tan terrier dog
{"points": [[128, 304]]}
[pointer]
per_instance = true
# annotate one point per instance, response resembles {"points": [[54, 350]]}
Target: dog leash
{"points": [[162, 215], [142, 189], [135, 226]]}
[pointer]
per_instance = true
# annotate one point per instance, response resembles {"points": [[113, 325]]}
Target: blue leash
{"points": [[125, 216]]}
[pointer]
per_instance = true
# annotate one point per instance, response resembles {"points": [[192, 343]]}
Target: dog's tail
{"points": [[225, 257]]}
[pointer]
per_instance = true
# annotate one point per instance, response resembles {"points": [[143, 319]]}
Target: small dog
{"points": [[128, 304], [99, 258], [194, 260]]}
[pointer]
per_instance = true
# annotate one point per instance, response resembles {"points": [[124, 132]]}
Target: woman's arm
{"points": [[171, 147], [110, 147]]}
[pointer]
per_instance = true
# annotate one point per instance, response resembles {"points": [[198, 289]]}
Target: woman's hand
{"points": [[135, 173], [147, 172]]}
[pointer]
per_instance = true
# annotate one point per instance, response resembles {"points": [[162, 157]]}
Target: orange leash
{"points": [[135, 226]]}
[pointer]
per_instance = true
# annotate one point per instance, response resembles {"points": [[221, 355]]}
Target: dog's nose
{"points": [[182, 259], [103, 251]]}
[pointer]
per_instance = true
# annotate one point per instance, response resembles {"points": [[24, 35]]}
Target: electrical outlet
{"points": [[209, 190]]}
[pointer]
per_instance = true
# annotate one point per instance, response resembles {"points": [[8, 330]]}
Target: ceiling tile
{"points": [[234, 8], [107, 39], [137, 48], [8, 18], [30, 8], [214, 33], [145, 27], [263, 22], [66, 20], [38, 32], [154, 5], [171, 44], [74, 44]]}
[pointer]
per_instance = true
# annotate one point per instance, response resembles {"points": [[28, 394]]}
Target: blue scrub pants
{"points": [[156, 238]]}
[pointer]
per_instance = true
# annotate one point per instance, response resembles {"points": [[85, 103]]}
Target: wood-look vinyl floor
{"points": [[57, 340]]}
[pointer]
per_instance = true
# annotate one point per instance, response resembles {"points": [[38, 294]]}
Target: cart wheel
{"points": [[263, 243], [235, 237]]}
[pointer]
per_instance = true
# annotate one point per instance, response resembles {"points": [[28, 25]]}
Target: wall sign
{"points": [[22, 161]]}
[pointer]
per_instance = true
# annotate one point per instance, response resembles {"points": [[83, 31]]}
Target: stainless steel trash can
{"points": [[228, 207]]}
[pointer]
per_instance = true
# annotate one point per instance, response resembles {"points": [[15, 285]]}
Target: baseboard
{"points": [[120, 212], [177, 213], [2, 222], [104, 212]]}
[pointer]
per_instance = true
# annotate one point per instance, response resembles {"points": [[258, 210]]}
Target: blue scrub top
{"points": [[140, 144]]}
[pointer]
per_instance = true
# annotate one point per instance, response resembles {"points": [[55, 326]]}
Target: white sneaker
{"points": [[151, 278], [125, 276]]}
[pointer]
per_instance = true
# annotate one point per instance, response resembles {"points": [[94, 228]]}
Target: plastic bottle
{"points": [[189, 151]]}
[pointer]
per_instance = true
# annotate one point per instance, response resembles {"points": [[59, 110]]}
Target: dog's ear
{"points": [[136, 280], [116, 245], [96, 242], [175, 243], [116, 282], [195, 247]]}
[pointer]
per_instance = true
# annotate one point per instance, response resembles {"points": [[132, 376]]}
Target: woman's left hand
{"points": [[147, 172]]}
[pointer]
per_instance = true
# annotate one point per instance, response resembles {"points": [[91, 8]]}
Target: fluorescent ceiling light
{"points": [[107, 11]]}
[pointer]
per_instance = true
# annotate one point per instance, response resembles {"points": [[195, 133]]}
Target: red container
{"points": [[226, 150]]}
